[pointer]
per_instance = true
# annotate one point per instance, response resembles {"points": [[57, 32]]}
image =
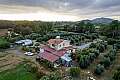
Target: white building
{"points": [[58, 43], [25, 42]]}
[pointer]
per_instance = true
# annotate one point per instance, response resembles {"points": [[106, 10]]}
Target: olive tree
{"points": [[99, 69], [106, 62], [74, 71], [116, 75]]}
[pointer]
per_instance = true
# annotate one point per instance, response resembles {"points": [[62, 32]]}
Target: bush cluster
{"points": [[106, 61]]}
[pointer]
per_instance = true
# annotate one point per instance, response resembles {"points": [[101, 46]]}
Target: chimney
{"points": [[57, 37]]}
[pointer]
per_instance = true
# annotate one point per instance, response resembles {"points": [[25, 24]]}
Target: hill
{"points": [[99, 21]]}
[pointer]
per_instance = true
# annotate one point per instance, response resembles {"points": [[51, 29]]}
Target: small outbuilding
{"points": [[66, 60], [25, 42]]}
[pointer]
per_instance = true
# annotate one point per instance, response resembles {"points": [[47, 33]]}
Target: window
{"points": [[60, 45], [53, 45], [63, 44]]}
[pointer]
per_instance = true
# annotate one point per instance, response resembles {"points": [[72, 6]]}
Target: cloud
{"points": [[80, 8], [106, 3]]}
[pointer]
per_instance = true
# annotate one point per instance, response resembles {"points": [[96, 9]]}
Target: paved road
{"points": [[85, 45]]}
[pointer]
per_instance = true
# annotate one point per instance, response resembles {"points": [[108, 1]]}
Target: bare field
{"points": [[3, 32], [9, 61]]}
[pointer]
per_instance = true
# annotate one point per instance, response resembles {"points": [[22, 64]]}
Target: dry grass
{"points": [[9, 62], [3, 32]]}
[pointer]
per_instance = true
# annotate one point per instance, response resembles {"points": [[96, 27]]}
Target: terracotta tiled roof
{"points": [[59, 53], [53, 51], [47, 48], [55, 41], [48, 56], [51, 54]]}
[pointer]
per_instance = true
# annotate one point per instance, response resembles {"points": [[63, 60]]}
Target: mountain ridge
{"points": [[99, 20]]}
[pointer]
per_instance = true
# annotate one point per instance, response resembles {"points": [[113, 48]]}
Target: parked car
{"points": [[91, 78], [29, 53]]}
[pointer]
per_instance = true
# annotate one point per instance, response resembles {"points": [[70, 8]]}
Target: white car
{"points": [[29, 53], [91, 78]]}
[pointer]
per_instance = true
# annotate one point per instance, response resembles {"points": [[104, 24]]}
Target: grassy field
{"points": [[13, 68], [18, 73]]}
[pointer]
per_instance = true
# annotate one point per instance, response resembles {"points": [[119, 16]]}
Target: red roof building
{"points": [[48, 56], [59, 53], [47, 48], [53, 53]]}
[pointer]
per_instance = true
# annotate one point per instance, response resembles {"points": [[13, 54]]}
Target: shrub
{"points": [[39, 74], [99, 69], [52, 76], [25, 49], [111, 41], [37, 44], [47, 64], [106, 62], [39, 39], [101, 47], [84, 61], [117, 45], [111, 56], [34, 69], [93, 45], [92, 56], [85, 57], [4, 43], [116, 75], [97, 53], [74, 71]]}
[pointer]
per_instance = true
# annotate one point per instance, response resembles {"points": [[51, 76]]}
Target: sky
{"points": [[59, 10]]}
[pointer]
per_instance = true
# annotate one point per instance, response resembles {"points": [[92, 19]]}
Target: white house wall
{"points": [[60, 46], [66, 43], [63, 44]]}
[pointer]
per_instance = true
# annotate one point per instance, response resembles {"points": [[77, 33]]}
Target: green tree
{"points": [[90, 27], [111, 30], [84, 61], [74, 71], [99, 69], [106, 62], [4, 43], [116, 75], [22, 30], [43, 27]]}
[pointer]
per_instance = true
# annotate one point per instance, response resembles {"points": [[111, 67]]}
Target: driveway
{"points": [[83, 46], [21, 54]]}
